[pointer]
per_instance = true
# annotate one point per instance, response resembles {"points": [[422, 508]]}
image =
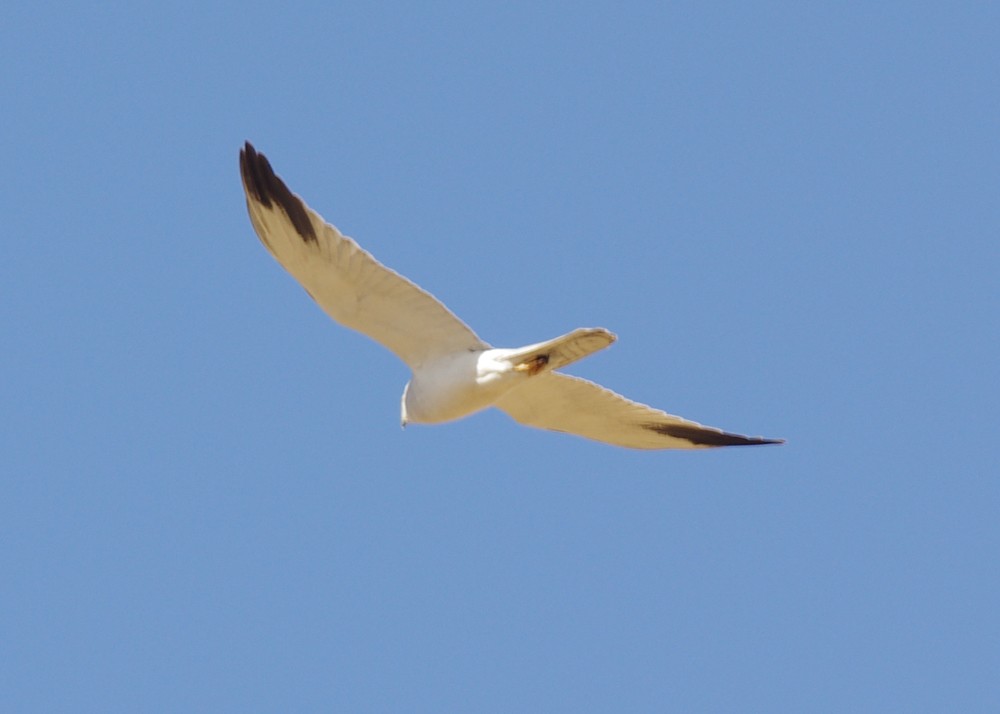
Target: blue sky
{"points": [[788, 212]]}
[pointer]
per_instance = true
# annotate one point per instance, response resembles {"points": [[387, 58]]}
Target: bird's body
{"points": [[455, 386], [454, 372], [463, 383]]}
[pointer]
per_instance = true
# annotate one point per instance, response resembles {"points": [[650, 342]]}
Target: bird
{"points": [[454, 373]]}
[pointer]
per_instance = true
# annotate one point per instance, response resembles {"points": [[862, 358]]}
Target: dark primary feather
{"points": [[707, 436], [266, 187]]}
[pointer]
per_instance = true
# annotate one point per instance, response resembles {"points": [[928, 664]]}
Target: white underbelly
{"points": [[456, 387]]}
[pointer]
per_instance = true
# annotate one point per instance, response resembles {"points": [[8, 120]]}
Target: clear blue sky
{"points": [[787, 211]]}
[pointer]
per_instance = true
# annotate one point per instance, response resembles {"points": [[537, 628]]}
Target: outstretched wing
{"points": [[347, 282], [563, 403]]}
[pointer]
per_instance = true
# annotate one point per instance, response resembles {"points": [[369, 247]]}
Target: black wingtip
{"points": [[703, 436], [264, 186]]}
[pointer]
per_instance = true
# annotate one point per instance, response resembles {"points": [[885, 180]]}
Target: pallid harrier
{"points": [[454, 372]]}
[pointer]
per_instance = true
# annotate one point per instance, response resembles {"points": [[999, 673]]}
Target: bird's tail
{"points": [[562, 351]]}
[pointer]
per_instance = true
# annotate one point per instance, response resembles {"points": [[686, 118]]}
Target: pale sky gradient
{"points": [[789, 214]]}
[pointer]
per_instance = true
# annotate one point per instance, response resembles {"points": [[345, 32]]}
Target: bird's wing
{"points": [[563, 403], [347, 282]]}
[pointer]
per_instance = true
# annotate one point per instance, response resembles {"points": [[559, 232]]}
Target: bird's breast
{"points": [[456, 386]]}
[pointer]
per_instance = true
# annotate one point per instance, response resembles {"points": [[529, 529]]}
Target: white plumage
{"points": [[454, 372]]}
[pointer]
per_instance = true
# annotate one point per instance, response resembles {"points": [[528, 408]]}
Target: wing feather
{"points": [[561, 402], [347, 282]]}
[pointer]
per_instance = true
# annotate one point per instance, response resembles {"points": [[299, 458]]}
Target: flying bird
{"points": [[454, 372]]}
